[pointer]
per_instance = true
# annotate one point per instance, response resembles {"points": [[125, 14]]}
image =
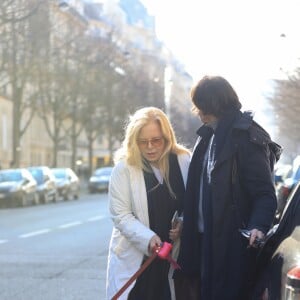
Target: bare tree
{"points": [[12, 11], [17, 65], [286, 105], [60, 81]]}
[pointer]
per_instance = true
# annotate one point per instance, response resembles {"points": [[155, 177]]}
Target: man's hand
{"points": [[175, 232], [255, 234]]}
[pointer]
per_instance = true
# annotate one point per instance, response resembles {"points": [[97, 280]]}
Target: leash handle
{"points": [[136, 274]]}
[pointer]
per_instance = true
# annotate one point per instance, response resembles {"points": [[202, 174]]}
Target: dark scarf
{"points": [[223, 130]]}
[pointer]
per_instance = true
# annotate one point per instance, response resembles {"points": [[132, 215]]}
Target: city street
{"points": [[55, 251]]}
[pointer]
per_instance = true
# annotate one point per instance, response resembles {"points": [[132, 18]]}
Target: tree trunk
{"points": [[55, 151], [16, 148], [73, 145], [91, 153]]}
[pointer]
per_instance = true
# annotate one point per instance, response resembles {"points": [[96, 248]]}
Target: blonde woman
{"points": [[146, 188]]}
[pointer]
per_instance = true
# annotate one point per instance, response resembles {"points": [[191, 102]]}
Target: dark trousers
{"points": [[188, 287]]}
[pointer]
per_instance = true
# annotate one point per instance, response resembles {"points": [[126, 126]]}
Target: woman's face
{"points": [[151, 142]]}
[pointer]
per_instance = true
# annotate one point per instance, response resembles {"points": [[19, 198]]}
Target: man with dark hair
{"points": [[230, 188]]}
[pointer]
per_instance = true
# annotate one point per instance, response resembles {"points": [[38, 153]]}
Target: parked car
{"points": [[284, 188], [67, 183], [279, 264], [17, 188], [46, 184], [99, 181]]}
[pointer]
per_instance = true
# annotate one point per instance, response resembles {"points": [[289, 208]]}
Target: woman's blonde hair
{"points": [[130, 152]]}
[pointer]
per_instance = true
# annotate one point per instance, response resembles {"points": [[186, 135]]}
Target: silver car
{"points": [[17, 188], [67, 183], [99, 181], [46, 185]]}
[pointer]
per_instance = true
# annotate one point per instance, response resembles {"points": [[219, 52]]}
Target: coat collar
{"points": [[243, 122]]}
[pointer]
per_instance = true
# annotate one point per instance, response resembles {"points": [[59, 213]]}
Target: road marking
{"points": [[92, 219], [63, 226], [67, 225], [34, 233]]}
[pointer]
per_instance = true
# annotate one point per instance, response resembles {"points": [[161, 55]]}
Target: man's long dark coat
{"points": [[242, 195]]}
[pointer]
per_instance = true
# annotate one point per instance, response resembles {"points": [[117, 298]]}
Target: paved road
{"points": [[55, 251]]}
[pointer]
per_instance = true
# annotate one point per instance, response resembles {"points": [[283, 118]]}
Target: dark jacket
{"points": [[242, 195]]}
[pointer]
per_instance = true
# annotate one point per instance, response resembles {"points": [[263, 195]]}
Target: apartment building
{"points": [[134, 35]]}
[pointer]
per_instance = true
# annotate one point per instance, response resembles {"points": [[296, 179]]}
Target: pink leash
{"points": [[163, 252]]}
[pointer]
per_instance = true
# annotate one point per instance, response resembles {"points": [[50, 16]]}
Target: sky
{"points": [[248, 42]]}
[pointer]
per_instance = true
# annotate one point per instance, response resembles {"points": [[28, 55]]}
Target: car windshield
{"points": [[37, 174], [59, 173], [10, 176], [101, 172]]}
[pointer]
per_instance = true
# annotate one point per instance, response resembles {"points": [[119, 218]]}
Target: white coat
{"points": [[131, 233]]}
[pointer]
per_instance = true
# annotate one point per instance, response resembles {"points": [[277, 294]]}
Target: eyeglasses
{"points": [[155, 142]]}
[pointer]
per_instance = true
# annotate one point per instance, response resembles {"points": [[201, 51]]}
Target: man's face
{"points": [[206, 118]]}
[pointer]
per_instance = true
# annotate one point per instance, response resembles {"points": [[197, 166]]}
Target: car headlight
{"points": [[93, 179], [293, 283]]}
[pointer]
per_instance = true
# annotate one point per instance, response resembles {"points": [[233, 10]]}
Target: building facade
{"points": [[132, 31]]}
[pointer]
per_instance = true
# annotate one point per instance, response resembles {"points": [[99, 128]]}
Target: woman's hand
{"points": [[154, 243], [174, 233]]}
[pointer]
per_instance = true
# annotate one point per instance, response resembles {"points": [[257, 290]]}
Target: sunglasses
{"points": [[155, 142]]}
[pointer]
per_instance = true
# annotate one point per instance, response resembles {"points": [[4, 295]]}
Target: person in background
{"points": [[229, 188], [146, 188]]}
